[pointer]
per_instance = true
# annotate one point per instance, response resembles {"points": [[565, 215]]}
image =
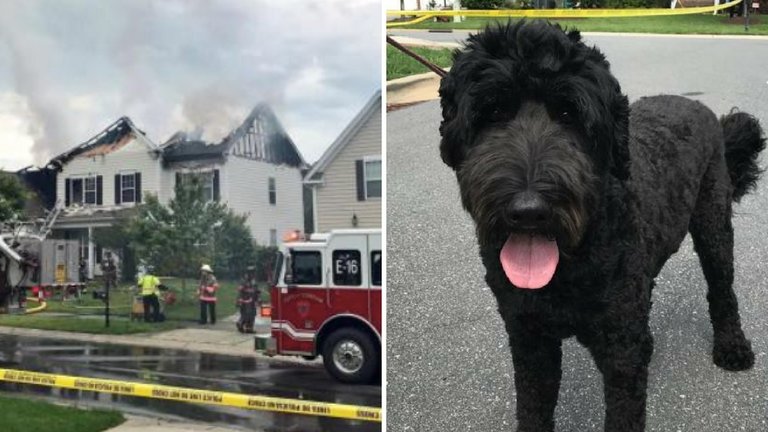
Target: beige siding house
{"points": [[346, 182]]}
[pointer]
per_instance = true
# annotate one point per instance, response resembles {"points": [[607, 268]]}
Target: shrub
{"points": [[482, 4]]}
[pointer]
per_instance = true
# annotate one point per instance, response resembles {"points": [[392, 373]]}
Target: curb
{"points": [[409, 41], [398, 84]]}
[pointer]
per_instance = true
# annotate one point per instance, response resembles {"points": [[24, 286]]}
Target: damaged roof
{"points": [[41, 182], [260, 137], [110, 139], [183, 150]]}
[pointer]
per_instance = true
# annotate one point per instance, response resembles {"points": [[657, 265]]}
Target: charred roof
{"points": [[110, 139], [259, 137]]}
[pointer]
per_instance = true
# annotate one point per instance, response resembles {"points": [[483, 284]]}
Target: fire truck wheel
{"points": [[351, 356]]}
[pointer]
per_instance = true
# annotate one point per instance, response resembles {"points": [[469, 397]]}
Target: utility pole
{"points": [[746, 15]]}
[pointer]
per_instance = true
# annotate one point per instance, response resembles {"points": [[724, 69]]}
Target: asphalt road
{"points": [[187, 369], [449, 366]]}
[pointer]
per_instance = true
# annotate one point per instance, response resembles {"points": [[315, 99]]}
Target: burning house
{"points": [[256, 170]]}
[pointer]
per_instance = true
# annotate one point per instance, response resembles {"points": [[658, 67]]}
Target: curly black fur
{"points": [[743, 141], [533, 118]]}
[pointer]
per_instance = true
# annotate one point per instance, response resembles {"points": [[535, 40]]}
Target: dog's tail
{"points": [[744, 140]]}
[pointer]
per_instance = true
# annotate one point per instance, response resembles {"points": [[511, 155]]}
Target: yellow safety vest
{"points": [[148, 285]]}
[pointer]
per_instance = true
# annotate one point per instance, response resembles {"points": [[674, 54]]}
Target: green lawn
{"points": [[680, 24], [400, 65], [80, 324], [89, 313], [18, 414]]}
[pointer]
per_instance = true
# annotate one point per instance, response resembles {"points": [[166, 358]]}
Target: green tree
{"points": [[176, 239], [12, 197]]}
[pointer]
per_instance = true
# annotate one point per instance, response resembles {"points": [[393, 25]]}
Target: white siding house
{"points": [[256, 170], [417, 4], [347, 181], [274, 197], [99, 181]]}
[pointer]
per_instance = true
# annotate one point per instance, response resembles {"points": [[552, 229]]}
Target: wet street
{"points": [[245, 375]]}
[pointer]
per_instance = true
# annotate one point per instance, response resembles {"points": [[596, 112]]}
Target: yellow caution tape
{"points": [[182, 394], [405, 23], [560, 13]]}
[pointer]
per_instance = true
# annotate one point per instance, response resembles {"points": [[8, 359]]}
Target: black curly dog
{"points": [[580, 199]]}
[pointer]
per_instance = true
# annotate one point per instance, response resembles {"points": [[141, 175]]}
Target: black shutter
{"points": [[67, 192], [138, 187], [215, 185], [99, 190], [360, 180], [118, 189], [178, 179]]}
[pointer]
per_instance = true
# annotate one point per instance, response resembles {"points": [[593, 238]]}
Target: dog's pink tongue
{"points": [[529, 261]]}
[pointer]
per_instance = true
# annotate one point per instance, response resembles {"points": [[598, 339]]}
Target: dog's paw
{"points": [[733, 354]]}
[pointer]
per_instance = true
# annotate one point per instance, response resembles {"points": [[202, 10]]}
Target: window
{"points": [[272, 191], [206, 179], [273, 237], [128, 188], [376, 268], [89, 190], [372, 178], [83, 190], [76, 191], [346, 267], [307, 268]]}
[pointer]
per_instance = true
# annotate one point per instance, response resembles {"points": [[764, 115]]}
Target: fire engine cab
{"points": [[326, 300]]}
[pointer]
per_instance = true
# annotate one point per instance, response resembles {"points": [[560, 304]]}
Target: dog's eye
{"points": [[496, 115], [565, 116]]}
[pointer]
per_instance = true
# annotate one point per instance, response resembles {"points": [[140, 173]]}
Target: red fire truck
{"points": [[326, 300]]}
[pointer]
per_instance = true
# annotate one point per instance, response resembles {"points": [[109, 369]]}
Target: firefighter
{"points": [[149, 285], [248, 295], [207, 293]]}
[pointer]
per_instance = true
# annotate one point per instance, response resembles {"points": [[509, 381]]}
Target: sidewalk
{"points": [[146, 424]]}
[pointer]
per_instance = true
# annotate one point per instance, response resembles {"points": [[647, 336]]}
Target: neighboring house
{"points": [[417, 4], [255, 170], [347, 180]]}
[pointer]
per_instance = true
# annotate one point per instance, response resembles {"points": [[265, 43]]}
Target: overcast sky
{"points": [[69, 68]]}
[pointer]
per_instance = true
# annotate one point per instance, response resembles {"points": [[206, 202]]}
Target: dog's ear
{"points": [[612, 116], [450, 144], [620, 161]]}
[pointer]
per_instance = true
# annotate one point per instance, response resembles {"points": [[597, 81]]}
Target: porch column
{"points": [[91, 257]]}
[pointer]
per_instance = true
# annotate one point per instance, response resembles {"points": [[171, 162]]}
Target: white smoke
{"points": [[187, 65]]}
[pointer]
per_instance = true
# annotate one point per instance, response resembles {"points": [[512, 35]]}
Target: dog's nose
{"points": [[529, 210]]}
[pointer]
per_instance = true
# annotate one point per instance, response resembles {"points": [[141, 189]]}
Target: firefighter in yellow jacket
{"points": [[207, 293], [149, 285]]}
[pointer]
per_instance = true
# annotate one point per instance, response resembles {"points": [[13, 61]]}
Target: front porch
{"points": [[82, 226]]}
